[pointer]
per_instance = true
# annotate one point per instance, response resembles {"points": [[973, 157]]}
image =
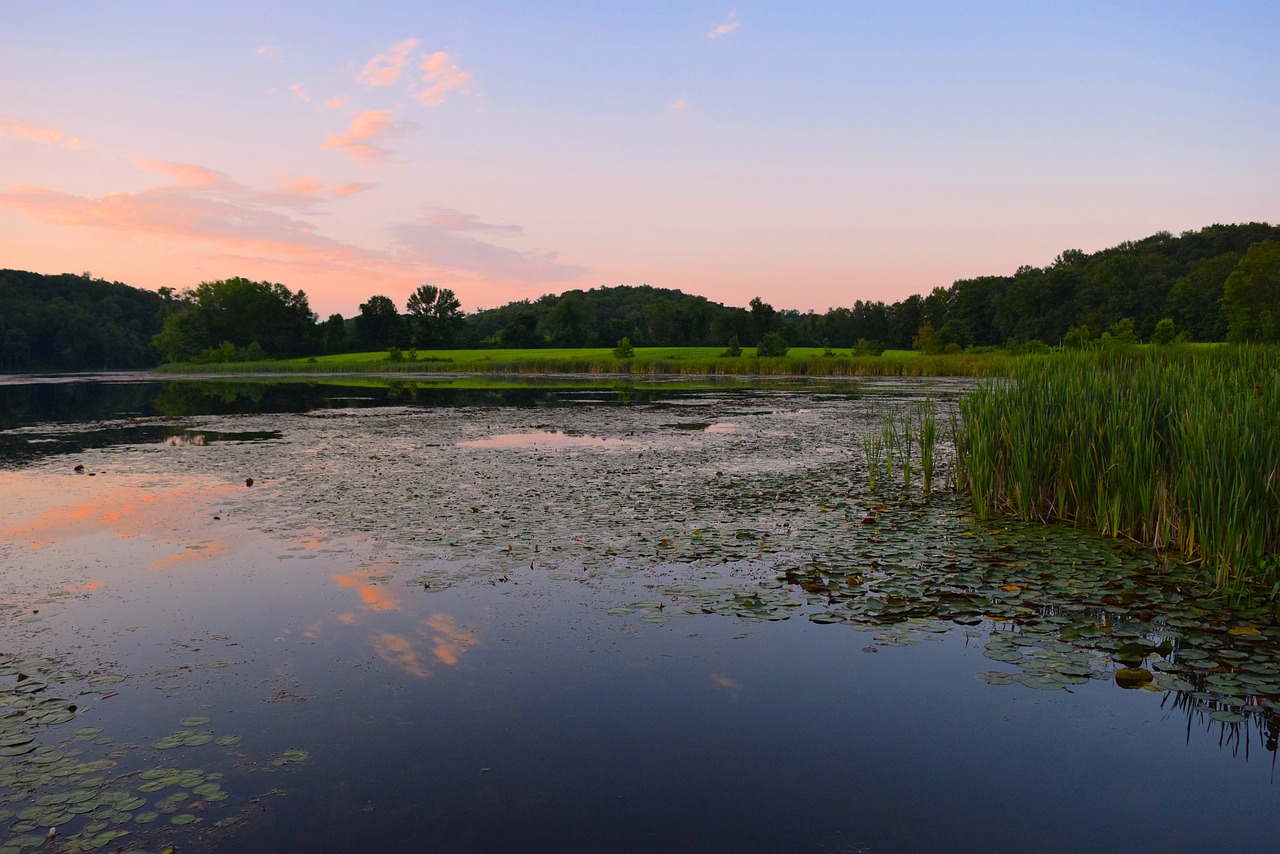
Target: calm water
{"points": [[544, 619]]}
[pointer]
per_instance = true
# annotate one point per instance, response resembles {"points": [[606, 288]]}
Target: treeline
{"points": [[72, 322], [1127, 290], [1218, 283]]}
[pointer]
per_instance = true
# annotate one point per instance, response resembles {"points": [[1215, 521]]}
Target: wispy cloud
{"points": [[352, 188], [728, 25], [385, 68], [679, 105], [447, 219], [429, 244], [257, 228], [337, 102], [363, 134], [300, 92], [269, 52], [39, 133], [442, 75], [200, 204]]}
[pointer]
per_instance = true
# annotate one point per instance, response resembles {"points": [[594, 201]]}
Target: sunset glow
{"points": [[811, 155]]}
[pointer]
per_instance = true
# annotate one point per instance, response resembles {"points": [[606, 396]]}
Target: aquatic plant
{"points": [[1176, 450], [927, 424]]}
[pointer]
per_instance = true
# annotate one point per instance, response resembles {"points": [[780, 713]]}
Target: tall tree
{"points": [[1251, 295], [379, 325], [435, 315], [240, 312]]}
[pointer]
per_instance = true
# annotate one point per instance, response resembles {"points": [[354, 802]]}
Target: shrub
{"points": [[772, 345]]}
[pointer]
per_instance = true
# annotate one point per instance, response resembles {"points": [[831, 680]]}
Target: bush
{"points": [[772, 345], [1166, 332], [734, 349], [863, 347], [624, 350]]}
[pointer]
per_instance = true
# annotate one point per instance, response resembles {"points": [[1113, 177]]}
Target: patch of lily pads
{"points": [[771, 520], [78, 790]]}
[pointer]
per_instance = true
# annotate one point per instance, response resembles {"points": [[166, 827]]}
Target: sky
{"points": [[812, 154]]}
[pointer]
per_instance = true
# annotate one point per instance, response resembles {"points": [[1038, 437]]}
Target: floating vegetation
{"points": [[813, 509]]}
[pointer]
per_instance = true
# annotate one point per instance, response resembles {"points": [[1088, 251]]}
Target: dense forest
{"points": [[1219, 283], [72, 322]]}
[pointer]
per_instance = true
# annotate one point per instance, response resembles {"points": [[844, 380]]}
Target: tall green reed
{"points": [[1175, 450]]}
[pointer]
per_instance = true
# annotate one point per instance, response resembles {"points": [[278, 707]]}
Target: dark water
{"points": [[580, 637]]}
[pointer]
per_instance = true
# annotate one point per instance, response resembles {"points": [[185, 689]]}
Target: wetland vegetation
{"points": [[449, 610], [1178, 451]]}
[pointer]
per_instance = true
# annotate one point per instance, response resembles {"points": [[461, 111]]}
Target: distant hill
{"points": [[75, 323], [1144, 281]]}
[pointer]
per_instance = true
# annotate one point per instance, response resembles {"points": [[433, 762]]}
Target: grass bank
{"points": [[646, 361], [1177, 449]]}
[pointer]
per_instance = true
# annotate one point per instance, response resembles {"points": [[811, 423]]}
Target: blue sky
{"points": [[811, 154]]}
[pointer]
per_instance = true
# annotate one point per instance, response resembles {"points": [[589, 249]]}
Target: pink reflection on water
{"points": [[544, 439]]}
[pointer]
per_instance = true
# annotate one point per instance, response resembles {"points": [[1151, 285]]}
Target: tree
{"points": [[333, 333], [1166, 332], [624, 350], [772, 345], [1251, 295], [378, 325], [926, 340], [763, 317], [566, 321], [1077, 338], [521, 332], [240, 312], [435, 315]]}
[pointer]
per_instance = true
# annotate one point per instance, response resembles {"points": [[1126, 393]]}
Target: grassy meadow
{"points": [[1177, 450], [647, 361]]}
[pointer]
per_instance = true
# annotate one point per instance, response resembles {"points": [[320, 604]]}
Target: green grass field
{"points": [[648, 361]]}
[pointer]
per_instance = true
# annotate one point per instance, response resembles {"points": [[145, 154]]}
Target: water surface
{"points": [[564, 619]]}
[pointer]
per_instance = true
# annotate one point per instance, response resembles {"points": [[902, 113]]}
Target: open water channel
{"points": [[558, 617]]}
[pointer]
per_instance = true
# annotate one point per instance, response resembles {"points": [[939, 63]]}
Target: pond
{"points": [[355, 614]]}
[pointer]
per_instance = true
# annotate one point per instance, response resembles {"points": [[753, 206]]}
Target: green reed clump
{"points": [[927, 423], [1176, 450], [902, 435]]}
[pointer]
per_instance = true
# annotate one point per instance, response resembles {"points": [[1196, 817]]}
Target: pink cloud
{"points": [[269, 52], [428, 244], [679, 105], [442, 76], [359, 140], [188, 175], [352, 188], [447, 219], [384, 69], [250, 231], [38, 133], [337, 102], [300, 92], [727, 26]]}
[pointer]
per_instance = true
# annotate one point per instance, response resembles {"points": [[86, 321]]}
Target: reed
{"points": [[1177, 450], [927, 423]]}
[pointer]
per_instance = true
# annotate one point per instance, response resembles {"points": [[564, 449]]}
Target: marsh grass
{"points": [[1177, 450], [903, 433]]}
